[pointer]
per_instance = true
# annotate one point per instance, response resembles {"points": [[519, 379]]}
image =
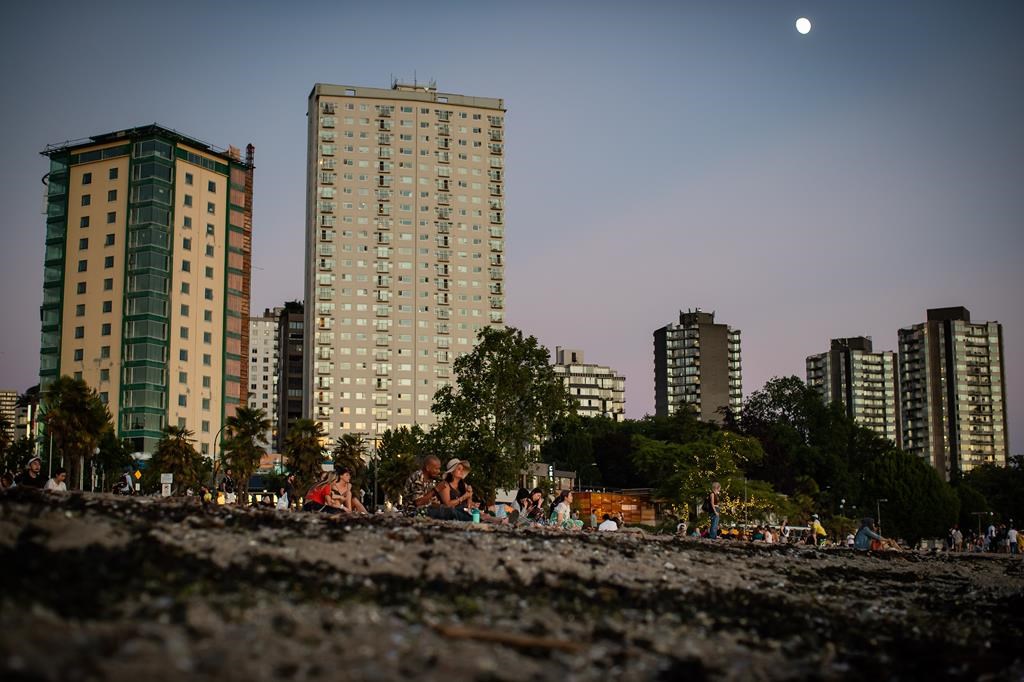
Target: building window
{"points": [[188, 222], [83, 221], [104, 397], [112, 195], [207, 316], [209, 249], [186, 244], [86, 199], [207, 360], [183, 333], [211, 208], [109, 241], [83, 243], [184, 310], [206, 426], [104, 352], [105, 329], [184, 287], [182, 377], [206, 382], [80, 288], [207, 337], [206, 404], [79, 354], [188, 178], [188, 199], [79, 332], [208, 293], [80, 310], [108, 262], [108, 306], [183, 400], [83, 266], [112, 174], [209, 272], [211, 186], [186, 266], [104, 375], [111, 217], [86, 178], [183, 355], [108, 284]]}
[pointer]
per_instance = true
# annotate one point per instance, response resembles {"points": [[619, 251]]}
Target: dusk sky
{"points": [[660, 156]]}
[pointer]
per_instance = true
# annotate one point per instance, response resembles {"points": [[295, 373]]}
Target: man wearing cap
{"points": [[419, 493], [31, 476]]}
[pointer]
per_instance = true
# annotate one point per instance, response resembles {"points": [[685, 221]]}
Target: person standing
{"points": [[32, 477], [713, 500], [58, 482], [1011, 537]]}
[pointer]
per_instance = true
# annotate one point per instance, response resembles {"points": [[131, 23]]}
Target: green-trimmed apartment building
{"points": [[147, 278]]}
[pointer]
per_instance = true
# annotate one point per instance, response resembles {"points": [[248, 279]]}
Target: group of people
{"points": [[332, 494], [997, 539], [33, 477]]}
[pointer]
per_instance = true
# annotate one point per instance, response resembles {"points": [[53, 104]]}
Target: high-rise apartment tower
{"points": [[291, 331], [146, 279], [697, 362], [863, 381], [953, 391], [264, 356], [598, 391], [405, 248]]}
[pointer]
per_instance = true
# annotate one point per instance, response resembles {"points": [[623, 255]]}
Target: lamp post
{"points": [[878, 509], [216, 440]]}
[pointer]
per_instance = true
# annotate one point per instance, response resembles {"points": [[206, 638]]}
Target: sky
{"points": [[661, 156]]}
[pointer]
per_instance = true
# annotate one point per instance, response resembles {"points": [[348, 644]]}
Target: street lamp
{"points": [[216, 440], [878, 509]]}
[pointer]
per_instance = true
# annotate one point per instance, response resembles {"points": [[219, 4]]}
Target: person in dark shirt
{"points": [[32, 476]]}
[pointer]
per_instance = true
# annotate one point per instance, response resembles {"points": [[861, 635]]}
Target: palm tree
{"points": [[350, 451], [176, 455], [76, 419], [304, 452], [245, 434]]}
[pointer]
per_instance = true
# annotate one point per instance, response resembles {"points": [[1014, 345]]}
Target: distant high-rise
{"points": [[146, 279], [405, 243], [697, 362], [599, 391], [864, 381], [953, 391], [9, 412], [291, 334], [263, 361]]}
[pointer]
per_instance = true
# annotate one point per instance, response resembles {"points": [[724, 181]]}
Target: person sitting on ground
{"points": [[341, 492], [561, 512], [420, 489], [31, 476], [758, 535], [681, 528], [455, 494], [58, 482], [608, 524], [533, 507], [317, 496], [868, 537], [6, 481]]}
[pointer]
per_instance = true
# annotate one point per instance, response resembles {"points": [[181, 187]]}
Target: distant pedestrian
{"points": [[32, 477], [593, 518], [227, 486], [1011, 536], [817, 531], [958, 539], [784, 532], [713, 499], [58, 482]]}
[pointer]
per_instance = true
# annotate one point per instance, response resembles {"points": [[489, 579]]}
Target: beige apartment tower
{"points": [[599, 391], [146, 279], [953, 391], [405, 248]]}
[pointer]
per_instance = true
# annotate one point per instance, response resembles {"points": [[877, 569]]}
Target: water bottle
{"points": [[476, 515], [499, 510]]}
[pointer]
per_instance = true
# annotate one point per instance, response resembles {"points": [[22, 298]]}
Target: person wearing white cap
{"points": [[32, 477]]}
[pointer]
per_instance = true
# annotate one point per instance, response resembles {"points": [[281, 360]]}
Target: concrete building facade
{"points": [[864, 381], [599, 391], [146, 278], [9, 412], [953, 391], [264, 357], [405, 246], [697, 362], [291, 334]]}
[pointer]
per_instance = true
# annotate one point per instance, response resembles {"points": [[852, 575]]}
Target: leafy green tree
{"points": [[115, 456], [175, 454], [17, 455], [76, 419], [1001, 487], [245, 435], [505, 398], [398, 453], [571, 448], [920, 503], [304, 452]]}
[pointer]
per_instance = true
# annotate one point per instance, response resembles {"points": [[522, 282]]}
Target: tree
{"points": [[175, 455], [245, 434], [115, 456], [17, 455], [350, 451], [304, 452], [920, 504], [397, 458], [500, 410], [1002, 489], [571, 448], [76, 419]]}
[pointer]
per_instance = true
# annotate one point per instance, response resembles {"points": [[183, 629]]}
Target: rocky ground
{"points": [[97, 587]]}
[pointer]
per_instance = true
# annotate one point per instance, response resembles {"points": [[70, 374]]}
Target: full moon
{"points": [[803, 25]]}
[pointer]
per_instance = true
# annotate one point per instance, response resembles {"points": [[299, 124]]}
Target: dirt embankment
{"points": [[97, 587]]}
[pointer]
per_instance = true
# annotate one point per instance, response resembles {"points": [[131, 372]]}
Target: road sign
{"points": [[166, 478], [138, 474]]}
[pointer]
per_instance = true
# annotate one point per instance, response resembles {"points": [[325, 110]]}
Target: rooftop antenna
{"points": [[414, 78]]}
